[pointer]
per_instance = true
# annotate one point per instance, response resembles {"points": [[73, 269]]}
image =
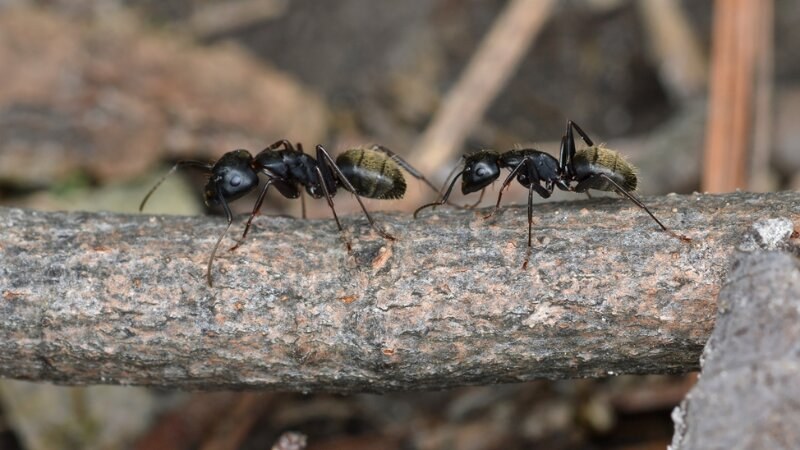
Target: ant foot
{"points": [[681, 237]]}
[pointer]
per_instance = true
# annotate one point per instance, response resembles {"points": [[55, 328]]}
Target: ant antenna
{"points": [[197, 164]]}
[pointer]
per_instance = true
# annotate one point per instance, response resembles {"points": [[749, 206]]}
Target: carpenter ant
{"points": [[595, 167], [600, 168], [370, 172]]}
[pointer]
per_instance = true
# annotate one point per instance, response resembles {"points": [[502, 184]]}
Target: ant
{"points": [[595, 167], [371, 171]]}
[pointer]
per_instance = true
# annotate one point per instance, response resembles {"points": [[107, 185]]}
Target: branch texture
{"points": [[102, 298]]}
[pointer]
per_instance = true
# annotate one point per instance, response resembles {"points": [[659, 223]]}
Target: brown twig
{"points": [[104, 298], [675, 47], [728, 137], [763, 125], [232, 429], [487, 72]]}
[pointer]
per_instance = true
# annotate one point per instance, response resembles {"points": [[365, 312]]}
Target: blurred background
{"points": [[99, 97]]}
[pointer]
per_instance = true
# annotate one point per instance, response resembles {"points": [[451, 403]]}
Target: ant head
{"points": [[232, 177], [480, 170]]}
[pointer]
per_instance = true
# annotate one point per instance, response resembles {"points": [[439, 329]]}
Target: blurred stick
{"points": [[233, 428], [734, 38], [495, 60], [677, 52], [216, 18], [121, 299], [763, 125], [184, 427]]}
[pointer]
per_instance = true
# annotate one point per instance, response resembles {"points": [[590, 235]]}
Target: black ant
{"points": [[370, 172], [595, 167]]}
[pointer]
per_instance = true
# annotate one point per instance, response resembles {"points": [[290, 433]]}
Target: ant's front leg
{"points": [[229, 216], [444, 198], [505, 185], [477, 202], [286, 189]]}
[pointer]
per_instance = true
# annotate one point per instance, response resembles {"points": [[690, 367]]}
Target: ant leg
{"points": [[405, 165], [505, 185], [229, 215], [285, 144], [256, 209], [584, 136], [565, 162], [530, 226], [409, 168], [196, 164], [333, 210], [323, 157], [447, 180], [639, 203], [480, 199], [449, 175], [545, 193], [444, 198], [303, 205], [565, 159]]}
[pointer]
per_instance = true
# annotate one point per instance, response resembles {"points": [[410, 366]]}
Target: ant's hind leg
{"points": [[404, 164], [583, 135], [323, 157], [639, 203], [567, 153]]}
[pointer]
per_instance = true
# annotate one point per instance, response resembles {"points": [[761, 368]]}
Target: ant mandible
{"points": [[595, 167], [370, 172]]}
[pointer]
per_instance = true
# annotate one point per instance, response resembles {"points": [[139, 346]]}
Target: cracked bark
{"points": [[104, 298]]}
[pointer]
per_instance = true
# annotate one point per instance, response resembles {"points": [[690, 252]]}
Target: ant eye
{"points": [[235, 180], [480, 172]]}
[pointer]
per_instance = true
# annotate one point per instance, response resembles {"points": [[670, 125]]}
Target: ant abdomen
{"points": [[594, 160], [372, 172]]}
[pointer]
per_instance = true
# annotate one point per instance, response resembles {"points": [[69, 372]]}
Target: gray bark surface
{"points": [[748, 396], [122, 299]]}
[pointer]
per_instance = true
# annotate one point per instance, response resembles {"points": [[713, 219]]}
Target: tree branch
{"points": [[103, 298]]}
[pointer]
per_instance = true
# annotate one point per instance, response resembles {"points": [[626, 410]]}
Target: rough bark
{"points": [[102, 298], [747, 397]]}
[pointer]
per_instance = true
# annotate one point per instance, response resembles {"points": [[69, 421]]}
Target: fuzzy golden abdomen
{"points": [[592, 161], [372, 173]]}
